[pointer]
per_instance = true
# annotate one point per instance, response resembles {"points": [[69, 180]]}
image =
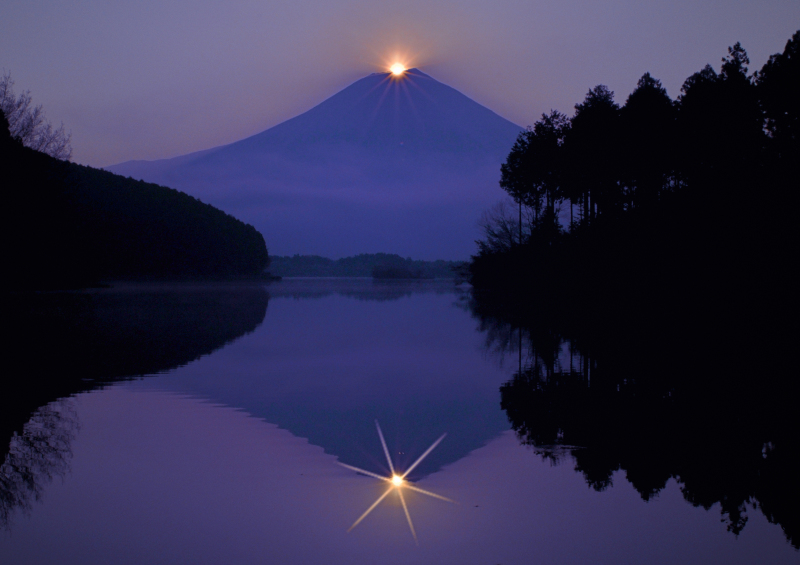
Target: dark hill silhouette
{"points": [[386, 165], [73, 225]]}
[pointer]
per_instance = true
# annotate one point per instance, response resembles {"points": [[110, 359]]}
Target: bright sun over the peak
{"points": [[397, 69]]}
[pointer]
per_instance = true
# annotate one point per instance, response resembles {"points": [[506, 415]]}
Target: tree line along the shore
{"points": [[656, 195]]}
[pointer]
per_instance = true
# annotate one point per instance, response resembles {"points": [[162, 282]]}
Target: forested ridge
{"points": [[72, 225], [659, 202]]}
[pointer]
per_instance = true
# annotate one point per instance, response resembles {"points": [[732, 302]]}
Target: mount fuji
{"points": [[390, 164]]}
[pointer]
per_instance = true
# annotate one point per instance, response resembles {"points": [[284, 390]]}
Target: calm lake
{"points": [[206, 424]]}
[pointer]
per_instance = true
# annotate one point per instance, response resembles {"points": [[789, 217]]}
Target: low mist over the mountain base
{"points": [[391, 165]]}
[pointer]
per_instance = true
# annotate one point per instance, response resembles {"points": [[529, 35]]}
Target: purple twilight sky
{"points": [[158, 78]]}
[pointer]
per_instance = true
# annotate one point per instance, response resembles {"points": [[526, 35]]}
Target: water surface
{"points": [[224, 446]]}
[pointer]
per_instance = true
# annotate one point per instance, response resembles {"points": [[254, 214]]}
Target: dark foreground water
{"points": [[203, 424]]}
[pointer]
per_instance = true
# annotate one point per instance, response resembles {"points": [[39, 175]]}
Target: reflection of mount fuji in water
{"points": [[334, 355], [392, 165]]}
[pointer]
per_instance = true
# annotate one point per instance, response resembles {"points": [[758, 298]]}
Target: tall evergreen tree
{"points": [[647, 142], [532, 173], [778, 84], [592, 151], [721, 128]]}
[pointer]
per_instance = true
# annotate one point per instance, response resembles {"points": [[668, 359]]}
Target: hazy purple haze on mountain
{"points": [[400, 165]]}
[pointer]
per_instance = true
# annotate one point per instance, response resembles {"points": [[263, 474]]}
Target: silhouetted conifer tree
{"points": [[533, 172], [647, 143], [592, 148], [778, 85]]}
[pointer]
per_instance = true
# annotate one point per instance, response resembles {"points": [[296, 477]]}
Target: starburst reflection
{"points": [[396, 482]]}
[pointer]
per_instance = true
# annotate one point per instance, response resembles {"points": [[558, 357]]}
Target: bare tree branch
{"points": [[29, 125], [500, 226]]}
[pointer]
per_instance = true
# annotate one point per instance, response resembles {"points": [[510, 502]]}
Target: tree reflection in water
{"points": [[720, 422], [41, 453], [66, 343]]}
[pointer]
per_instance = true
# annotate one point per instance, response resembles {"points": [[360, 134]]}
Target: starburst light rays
{"points": [[370, 509], [408, 516], [396, 482], [385, 449], [429, 493], [423, 456], [362, 471]]}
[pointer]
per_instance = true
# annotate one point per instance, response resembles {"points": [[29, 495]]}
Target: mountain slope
{"points": [[386, 165]]}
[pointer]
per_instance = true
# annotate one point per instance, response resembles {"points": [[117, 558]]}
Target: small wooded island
{"points": [[376, 265], [71, 226], [382, 272]]}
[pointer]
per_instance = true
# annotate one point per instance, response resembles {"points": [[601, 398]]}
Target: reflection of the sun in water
{"points": [[396, 482]]}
